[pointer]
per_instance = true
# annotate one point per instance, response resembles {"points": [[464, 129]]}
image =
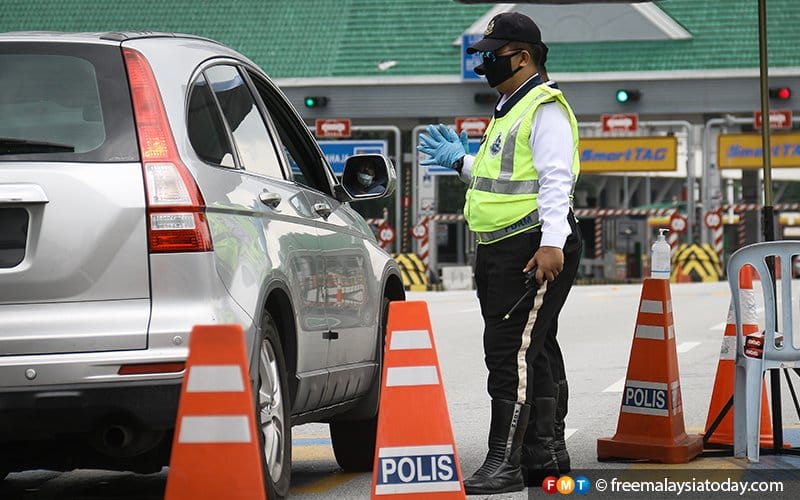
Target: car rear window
{"points": [[65, 102]]}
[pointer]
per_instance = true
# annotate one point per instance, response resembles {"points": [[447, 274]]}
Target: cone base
{"points": [[682, 451], [727, 440]]}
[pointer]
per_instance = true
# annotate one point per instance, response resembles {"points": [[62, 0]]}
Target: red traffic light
{"points": [[780, 93]]}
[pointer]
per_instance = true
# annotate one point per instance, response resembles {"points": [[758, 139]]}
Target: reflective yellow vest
{"points": [[502, 197]]}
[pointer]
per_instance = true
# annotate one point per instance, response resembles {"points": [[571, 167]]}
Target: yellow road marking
{"points": [[722, 464], [326, 484], [312, 452]]}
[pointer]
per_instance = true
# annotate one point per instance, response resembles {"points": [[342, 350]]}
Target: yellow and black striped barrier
{"points": [[695, 263], [412, 269]]}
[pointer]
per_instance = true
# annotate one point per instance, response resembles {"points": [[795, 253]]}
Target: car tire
{"points": [[272, 411], [353, 441]]}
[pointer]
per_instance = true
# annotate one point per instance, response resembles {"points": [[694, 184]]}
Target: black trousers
{"points": [[522, 352]]}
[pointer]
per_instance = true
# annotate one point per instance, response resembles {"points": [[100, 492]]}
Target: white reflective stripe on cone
{"points": [[406, 451], [650, 332], [728, 350], [215, 429], [652, 307], [215, 378], [430, 487], [410, 339], [412, 375]]}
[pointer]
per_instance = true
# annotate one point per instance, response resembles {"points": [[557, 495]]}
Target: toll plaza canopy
{"points": [[686, 57]]}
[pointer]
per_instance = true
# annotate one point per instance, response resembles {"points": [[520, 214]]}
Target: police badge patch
{"points": [[495, 147], [489, 28]]}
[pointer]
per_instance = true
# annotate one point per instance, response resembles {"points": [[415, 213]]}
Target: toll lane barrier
{"points": [[695, 263], [412, 269]]}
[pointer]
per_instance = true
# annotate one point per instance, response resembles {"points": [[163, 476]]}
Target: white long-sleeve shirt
{"points": [[552, 146]]}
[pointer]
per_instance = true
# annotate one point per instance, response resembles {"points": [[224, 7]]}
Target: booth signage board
{"points": [[426, 194], [745, 150], [475, 126], [474, 144], [332, 127], [623, 154], [629, 154], [628, 122], [337, 152], [469, 61], [778, 118]]}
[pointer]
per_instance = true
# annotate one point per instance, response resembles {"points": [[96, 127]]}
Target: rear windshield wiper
{"points": [[12, 146]]}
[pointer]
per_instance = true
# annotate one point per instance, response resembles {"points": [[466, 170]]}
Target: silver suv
{"points": [[151, 182]]}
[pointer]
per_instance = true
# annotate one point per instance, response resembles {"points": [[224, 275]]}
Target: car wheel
{"points": [[272, 411], [353, 441]]}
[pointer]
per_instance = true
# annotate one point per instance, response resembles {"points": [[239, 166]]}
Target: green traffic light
{"points": [[622, 96], [316, 101]]}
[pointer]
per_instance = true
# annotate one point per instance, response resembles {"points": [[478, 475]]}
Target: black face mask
{"points": [[499, 70]]}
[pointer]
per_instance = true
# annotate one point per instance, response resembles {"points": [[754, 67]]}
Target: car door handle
{"points": [[323, 209], [22, 193], [271, 200]]}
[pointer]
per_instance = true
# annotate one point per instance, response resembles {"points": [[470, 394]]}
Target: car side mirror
{"points": [[381, 170]]}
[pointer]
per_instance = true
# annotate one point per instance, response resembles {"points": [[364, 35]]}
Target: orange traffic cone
{"points": [[650, 425], [721, 406], [415, 454], [215, 451]]}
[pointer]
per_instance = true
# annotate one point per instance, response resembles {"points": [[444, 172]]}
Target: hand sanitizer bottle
{"points": [[660, 254]]}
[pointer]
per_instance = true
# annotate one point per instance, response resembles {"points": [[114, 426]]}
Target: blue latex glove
{"points": [[443, 146], [464, 140], [451, 136]]}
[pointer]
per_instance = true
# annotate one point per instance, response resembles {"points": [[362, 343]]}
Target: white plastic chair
{"points": [[750, 370]]}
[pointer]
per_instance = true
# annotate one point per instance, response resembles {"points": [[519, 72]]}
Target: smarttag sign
{"points": [[629, 154], [416, 469], [745, 150]]}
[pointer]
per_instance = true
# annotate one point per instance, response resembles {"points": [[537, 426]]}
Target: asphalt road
{"points": [[596, 332]]}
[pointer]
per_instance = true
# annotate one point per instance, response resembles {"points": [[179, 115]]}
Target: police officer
{"points": [[519, 204]]}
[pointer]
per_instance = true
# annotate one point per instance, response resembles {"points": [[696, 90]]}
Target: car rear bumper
{"points": [[45, 412]]}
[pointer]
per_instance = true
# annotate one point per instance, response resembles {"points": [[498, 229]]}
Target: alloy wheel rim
{"points": [[271, 410]]}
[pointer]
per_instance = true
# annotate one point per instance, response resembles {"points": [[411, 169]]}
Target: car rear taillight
{"points": [[176, 219], [151, 368]]}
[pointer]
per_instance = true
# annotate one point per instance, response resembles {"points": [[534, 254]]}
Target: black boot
{"points": [[562, 457], [501, 471], [538, 451]]}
